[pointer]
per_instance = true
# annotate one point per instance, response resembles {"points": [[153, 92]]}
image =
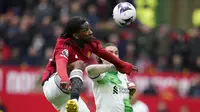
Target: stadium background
{"points": [[163, 42]]}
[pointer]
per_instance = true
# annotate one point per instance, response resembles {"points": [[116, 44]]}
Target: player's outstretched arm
{"points": [[121, 66], [96, 69]]}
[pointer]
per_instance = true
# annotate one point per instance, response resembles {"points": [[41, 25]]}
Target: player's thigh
{"points": [[82, 106], [53, 93]]}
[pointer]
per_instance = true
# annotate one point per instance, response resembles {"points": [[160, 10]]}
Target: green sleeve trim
{"points": [[110, 77], [104, 80], [127, 105]]}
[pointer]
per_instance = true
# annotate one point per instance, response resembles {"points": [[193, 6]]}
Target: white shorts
{"points": [[58, 98]]}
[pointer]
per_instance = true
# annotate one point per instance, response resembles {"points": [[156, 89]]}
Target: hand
{"points": [[65, 85], [132, 88], [131, 85], [127, 68], [135, 69]]}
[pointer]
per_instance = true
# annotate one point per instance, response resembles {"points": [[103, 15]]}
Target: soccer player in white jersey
{"points": [[112, 91]]}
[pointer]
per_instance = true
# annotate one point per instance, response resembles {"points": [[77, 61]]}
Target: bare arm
{"points": [[97, 69]]}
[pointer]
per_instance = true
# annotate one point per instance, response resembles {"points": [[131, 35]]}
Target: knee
{"points": [[76, 69]]}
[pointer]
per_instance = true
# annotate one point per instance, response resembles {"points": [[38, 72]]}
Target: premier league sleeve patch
{"points": [[65, 53]]}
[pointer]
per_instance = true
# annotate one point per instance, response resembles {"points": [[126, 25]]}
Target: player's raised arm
{"points": [[96, 69], [122, 66]]}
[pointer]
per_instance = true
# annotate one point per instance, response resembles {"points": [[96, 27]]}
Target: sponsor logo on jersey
{"points": [[121, 90], [89, 54], [115, 90]]}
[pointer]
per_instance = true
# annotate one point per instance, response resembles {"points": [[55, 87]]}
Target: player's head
{"points": [[78, 28], [112, 49]]}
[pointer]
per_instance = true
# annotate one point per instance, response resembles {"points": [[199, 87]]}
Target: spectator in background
{"points": [[194, 51], [162, 63], [57, 6], [178, 44], [150, 90], [43, 9], [125, 38], [63, 19], [1, 6], [46, 29], [113, 38], [143, 62], [23, 39], [12, 30], [138, 105], [103, 10], [5, 50], [15, 57], [177, 62], [32, 25], [3, 25], [65, 5], [2, 106], [32, 59], [162, 107], [2, 62], [195, 88], [93, 19], [57, 30], [47, 55], [38, 43], [197, 65], [76, 9], [163, 42], [145, 41]]}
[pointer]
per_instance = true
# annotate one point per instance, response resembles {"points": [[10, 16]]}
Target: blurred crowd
{"points": [[29, 29]]}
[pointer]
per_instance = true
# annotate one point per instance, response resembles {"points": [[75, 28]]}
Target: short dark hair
{"points": [[108, 44], [104, 46], [73, 26]]}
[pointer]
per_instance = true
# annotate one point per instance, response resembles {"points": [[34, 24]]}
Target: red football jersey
{"points": [[66, 52], [65, 48]]}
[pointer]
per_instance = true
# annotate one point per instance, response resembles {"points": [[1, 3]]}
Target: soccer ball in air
{"points": [[124, 13]]}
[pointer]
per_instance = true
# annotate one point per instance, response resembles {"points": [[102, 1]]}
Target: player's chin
{"points": [[88, 40]]}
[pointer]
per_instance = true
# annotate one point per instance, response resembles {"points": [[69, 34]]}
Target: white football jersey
{"points": [[111, 92]]}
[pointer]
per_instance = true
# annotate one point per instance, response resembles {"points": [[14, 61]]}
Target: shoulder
{"points": [[61, 44], [61, 48], [122, 74]]}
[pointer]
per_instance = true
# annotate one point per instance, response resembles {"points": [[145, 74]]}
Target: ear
{"points": [[75, 35]]}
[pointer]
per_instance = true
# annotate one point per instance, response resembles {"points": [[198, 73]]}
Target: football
{"points": [[124, 13]]}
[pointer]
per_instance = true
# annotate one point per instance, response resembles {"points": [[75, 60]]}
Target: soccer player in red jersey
{"points": [[62, 80]]}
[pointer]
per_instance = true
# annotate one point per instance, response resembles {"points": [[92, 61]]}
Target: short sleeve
{"points": [[98, 77]]}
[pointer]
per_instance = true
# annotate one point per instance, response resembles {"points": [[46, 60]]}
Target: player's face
{"points": [[85, 33], [113, 50]]}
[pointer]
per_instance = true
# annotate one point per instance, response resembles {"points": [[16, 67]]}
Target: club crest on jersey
{"points": [[89, 54], [65, 53]]}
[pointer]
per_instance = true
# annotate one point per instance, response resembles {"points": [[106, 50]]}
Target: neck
{"points": [[79, 43]]}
